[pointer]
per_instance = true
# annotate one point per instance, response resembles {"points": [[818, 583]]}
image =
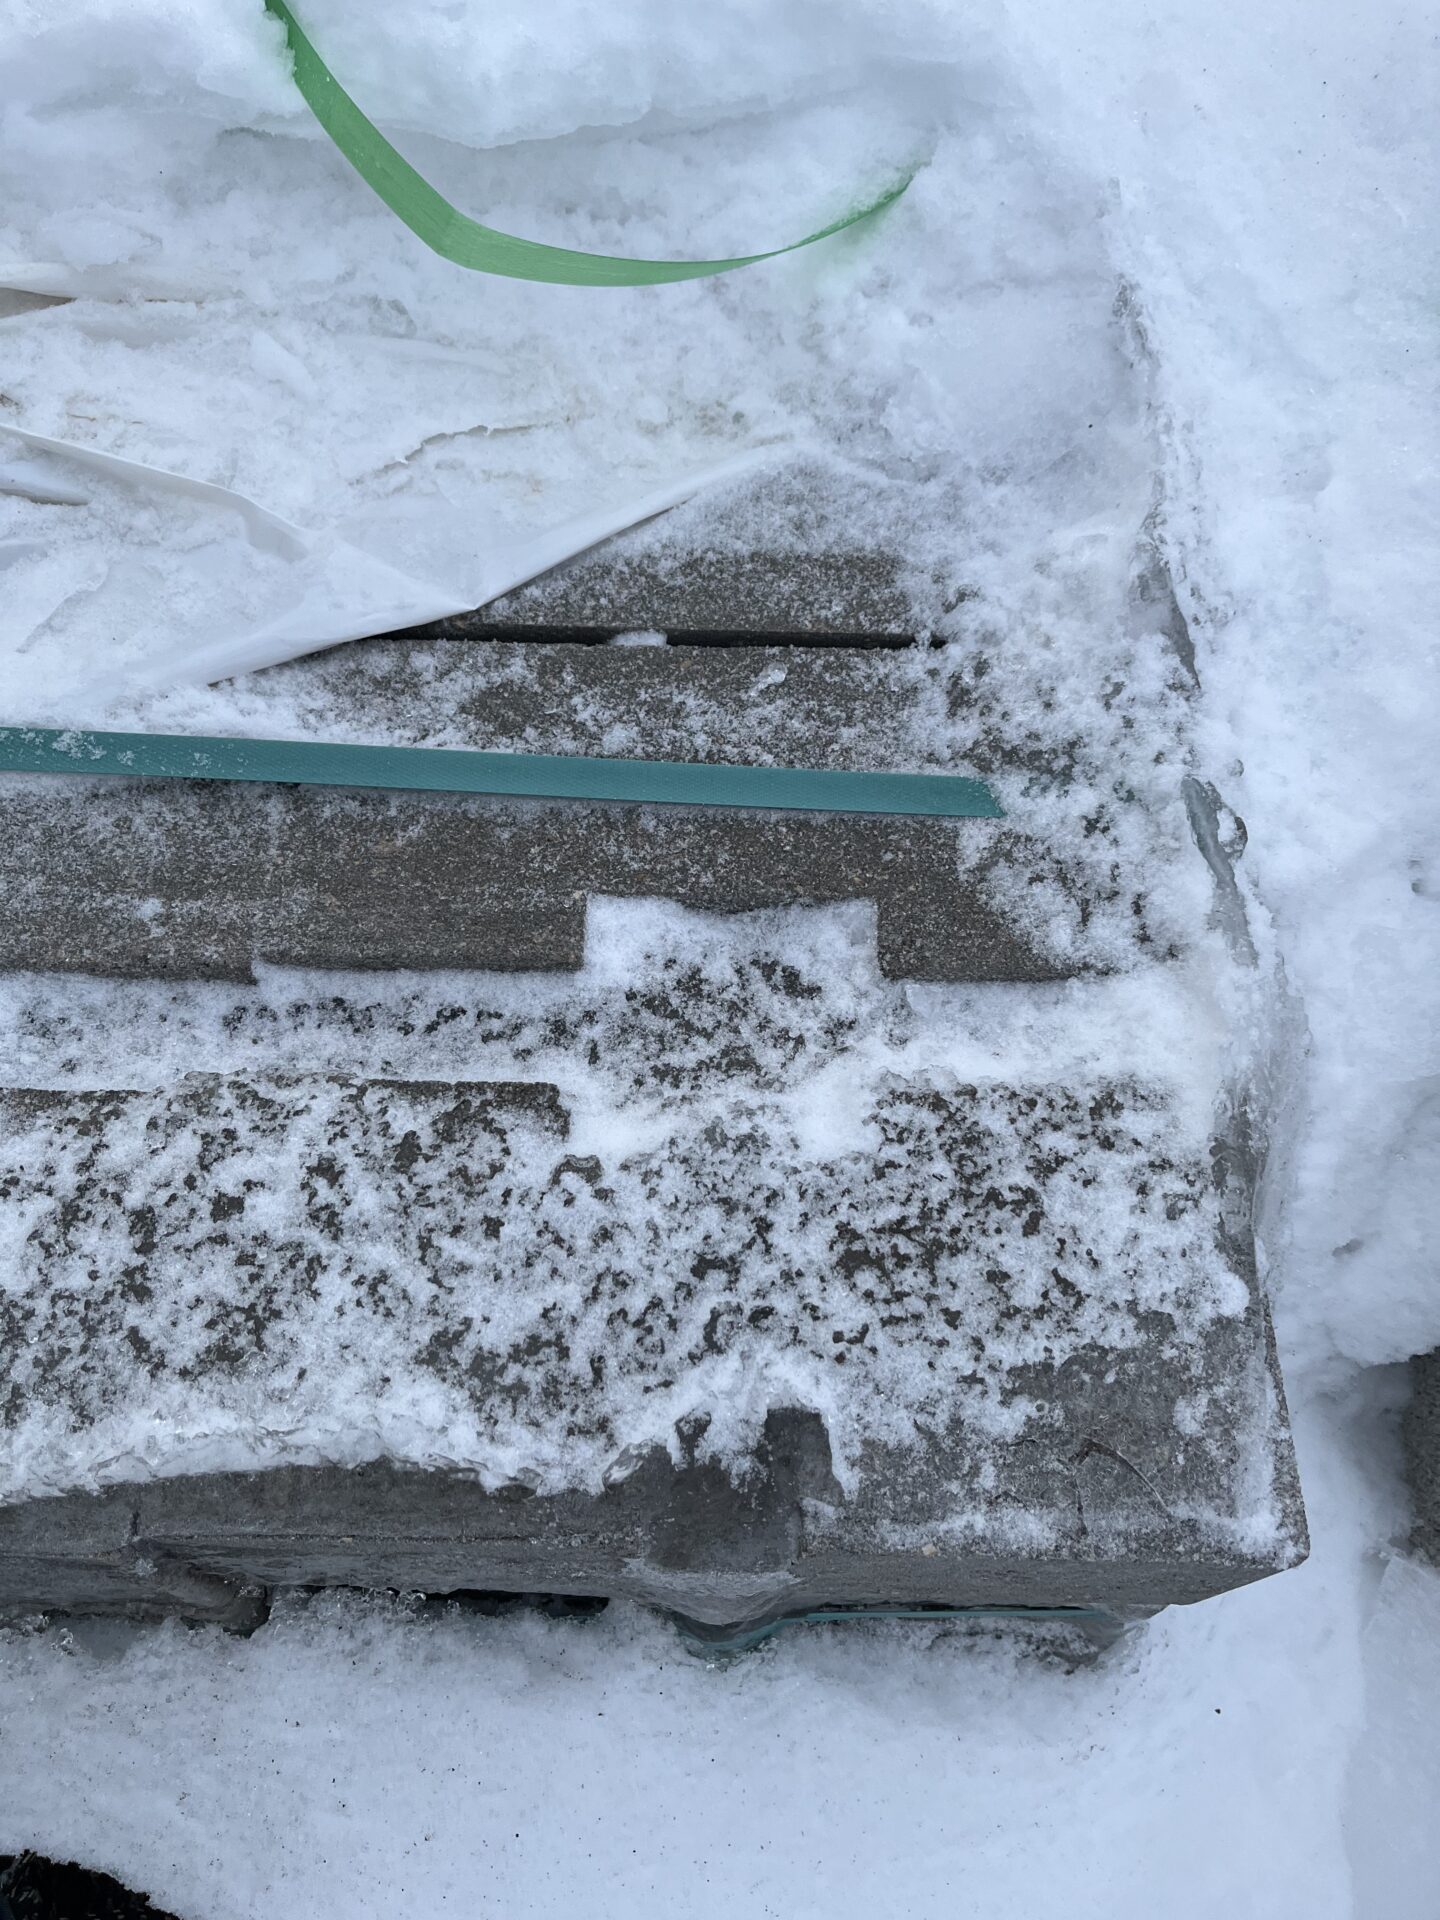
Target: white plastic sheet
{"points": [[337, 590]]}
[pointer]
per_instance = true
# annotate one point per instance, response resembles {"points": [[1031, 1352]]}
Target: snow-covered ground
{"points": [[1262, 182]]}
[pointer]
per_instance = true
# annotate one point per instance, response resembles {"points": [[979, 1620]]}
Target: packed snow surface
{"points": [[1159, 262]]}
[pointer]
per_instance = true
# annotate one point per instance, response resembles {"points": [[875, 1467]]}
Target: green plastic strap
{"points": [[463, 240], [552, 776]]}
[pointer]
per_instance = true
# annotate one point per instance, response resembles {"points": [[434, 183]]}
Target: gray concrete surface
{"points": [[838, 706], [189, 881], [801, 552], [1421, 1429], [223, 1244], [180, 880], [262, 1250], [685, 1538], [813, 599]]}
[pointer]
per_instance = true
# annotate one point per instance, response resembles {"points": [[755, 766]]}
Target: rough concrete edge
{"points": [[155, 1549], [1420, 1436], [1243, 1122]]}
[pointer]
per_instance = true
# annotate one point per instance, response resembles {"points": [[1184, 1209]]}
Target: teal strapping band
{"points": [[550, 776], [455, 235]]}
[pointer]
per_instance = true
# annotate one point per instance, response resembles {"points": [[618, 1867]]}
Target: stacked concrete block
{"points": [[759, 1282]]}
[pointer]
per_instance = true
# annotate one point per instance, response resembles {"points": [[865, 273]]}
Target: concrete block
{"points": [[181, 880], [1421, 1429], [85, 1555], [801, 554], [992, 1344], [206, 1269], [854, 597], [185, 880]]}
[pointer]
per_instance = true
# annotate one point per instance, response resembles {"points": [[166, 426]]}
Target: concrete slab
{"points": [[178, 880], [730, 1307], [804, 553], [1422, 1451], [811, 600], [688, 1539], [189, 881], [1038, 1368]]}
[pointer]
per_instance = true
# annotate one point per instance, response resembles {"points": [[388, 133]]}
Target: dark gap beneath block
{"points": [[475, 626]]}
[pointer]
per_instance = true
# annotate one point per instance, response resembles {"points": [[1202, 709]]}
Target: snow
{"points": [[436, 419], [1261, 181], [353, 1755], [740, 1099], [707, 1273]]}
